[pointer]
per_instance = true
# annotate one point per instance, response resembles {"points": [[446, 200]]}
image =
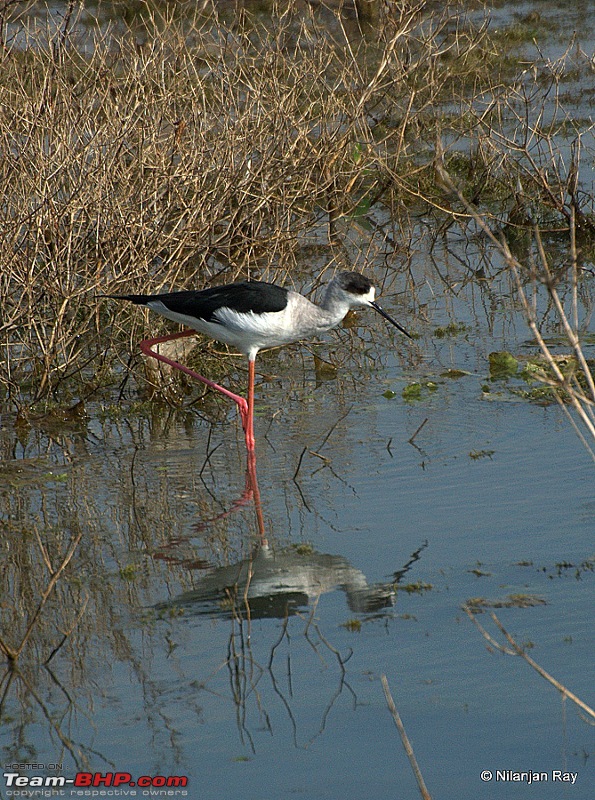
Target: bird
{"points": [[254, 315]]}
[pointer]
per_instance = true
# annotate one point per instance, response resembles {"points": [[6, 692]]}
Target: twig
{"points": [[518, 650], [333, 426], [405, 739], [300, 459], [560, 687], [65, 636], [12, 653], [410, 440], [485, 634]]}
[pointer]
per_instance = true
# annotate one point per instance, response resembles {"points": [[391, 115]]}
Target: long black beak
{"points": [[386, 316]]}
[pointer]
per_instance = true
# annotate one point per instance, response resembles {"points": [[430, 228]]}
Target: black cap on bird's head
{"points": [[361, 287], [354, 283]]}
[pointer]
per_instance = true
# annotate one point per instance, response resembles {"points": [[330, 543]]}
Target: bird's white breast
{"points": [[250, 332]]}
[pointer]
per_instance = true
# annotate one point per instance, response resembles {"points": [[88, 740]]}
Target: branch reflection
{"points": [[265, 664]]}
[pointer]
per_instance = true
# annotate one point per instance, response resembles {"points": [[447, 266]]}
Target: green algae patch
{"points": [[519, 600], [451, 330], [352, 625], [477, 454], [533, 378], [416, 390], [502, 365], [454, 374]]}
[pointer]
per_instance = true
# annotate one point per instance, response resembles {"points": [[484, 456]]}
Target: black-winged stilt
{"points": [[253, 315]]}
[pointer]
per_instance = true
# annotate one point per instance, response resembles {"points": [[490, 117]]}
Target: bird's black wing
{"points": [[243, 297]]}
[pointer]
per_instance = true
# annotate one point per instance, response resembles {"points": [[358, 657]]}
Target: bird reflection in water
{"points": [[265, 675], [277, 582]]}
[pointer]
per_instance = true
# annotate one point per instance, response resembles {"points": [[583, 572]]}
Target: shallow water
{"points": [[280, 694], [381, 518]]}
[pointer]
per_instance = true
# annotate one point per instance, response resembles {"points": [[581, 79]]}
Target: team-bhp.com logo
{"points": [[93, 780]]}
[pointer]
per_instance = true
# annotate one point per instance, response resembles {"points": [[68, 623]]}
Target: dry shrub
{"points": [[189, 149], [524, 185]]}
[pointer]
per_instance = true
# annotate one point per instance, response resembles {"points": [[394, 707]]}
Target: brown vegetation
{"points": [[178, 148], [183, 149]]}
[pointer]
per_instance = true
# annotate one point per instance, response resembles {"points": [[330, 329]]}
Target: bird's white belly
{"points": [[250, 332]]}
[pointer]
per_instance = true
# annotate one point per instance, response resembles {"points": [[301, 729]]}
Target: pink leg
{"points": [[252, 481], [244, 407], [251, 492], [249, 428]]}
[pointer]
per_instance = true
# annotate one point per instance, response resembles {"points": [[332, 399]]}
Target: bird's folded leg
{"points": [[146, 347]]}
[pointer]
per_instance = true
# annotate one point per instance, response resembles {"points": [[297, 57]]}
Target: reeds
{"points": [[168, 153], [177, 148]]}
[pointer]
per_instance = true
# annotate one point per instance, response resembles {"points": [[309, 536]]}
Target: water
{"points": [[381, 518], [157, 680]]}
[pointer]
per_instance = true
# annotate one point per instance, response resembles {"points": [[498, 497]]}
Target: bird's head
{"points": [[357, 290]]}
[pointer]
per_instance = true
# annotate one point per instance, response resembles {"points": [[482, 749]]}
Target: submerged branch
{"points": [[519, 651], [405, 739]]}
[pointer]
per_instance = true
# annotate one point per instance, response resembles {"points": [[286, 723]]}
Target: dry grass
{"points": [[189, 150], [533, 274], [176, 148]]}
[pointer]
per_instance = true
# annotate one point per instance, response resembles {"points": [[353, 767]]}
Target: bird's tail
{"points": [[139, 299]]}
